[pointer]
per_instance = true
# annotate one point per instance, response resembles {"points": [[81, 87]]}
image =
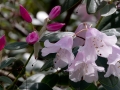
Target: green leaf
{"points": [[50, 79], [5, 79], [91, 87], [101, 88], [63, 79], [47, 65], [69, 4], [94, 5], [17, 67], [111, 21], [7, 62], [81, 85], [16, 45], [1, 88], [91, 6], [108, 10], [43, 86]]}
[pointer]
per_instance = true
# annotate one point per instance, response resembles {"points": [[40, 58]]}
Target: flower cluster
{"points": [[34, 37], [92, 43]]}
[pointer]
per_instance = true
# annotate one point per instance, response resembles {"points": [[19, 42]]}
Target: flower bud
{"points": [[32, 38], [25, 15], [55, 26], [2, 42], [54, 12]]}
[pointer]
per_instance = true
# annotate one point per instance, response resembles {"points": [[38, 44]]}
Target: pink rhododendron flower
{"points": [[84, 16], [25, 15], [79, 40], [63, 48], [54, 12], [54, 26], [2, 42], [84, 67], [32, 38], [114, 62], [98, 43]]}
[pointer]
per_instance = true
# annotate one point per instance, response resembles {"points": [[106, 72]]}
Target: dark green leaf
{"points": [[16, 45], [94, 5], [43, 86], [68, 4], [5, 79], [91, 6], [17, 67], [75, 50], [101, 88], [108, 10], [81, 85], [91, 87], [7, 62], [63, 79], [111, 21], [1, 88], [47, 65], [50, 79]]}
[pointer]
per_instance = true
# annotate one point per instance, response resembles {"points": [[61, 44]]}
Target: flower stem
{"points": [[20, 71], [99, 22]]}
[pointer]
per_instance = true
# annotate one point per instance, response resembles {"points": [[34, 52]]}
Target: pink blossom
{"points": [[2, 42], [55, 26], [98, 43], [32, 38], [25, 15], [85, 67], [54, 12], [114, 62], [63, 48]]}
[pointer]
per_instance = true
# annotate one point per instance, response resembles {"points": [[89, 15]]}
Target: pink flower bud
{"points": [[55, 26], [2, 42], [54, 12], [25, 15], [32, 38]]}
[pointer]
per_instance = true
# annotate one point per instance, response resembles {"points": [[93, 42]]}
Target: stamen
{"points": [[80, 31], [85, 25]]}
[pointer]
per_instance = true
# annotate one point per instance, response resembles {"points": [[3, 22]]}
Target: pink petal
{"points": [[79, 40], [32, 37], [55, 26], [54, 12], [25, 15], [65, 42], [2, 42]]}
